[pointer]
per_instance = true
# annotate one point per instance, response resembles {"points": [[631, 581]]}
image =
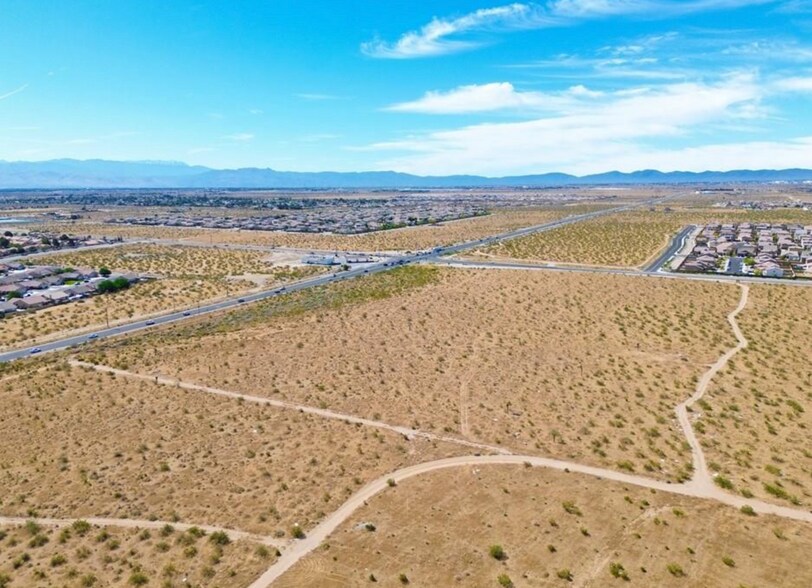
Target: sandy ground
{"points": [[438, 530], [79, 444], [542, 369], [32, 555], [756, 421]]}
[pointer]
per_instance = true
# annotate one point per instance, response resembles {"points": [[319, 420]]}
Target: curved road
{"points": [[700, 486], [300, 548]]}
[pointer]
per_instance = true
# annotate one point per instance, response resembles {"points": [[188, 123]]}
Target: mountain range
{"points": [[98, 173]]}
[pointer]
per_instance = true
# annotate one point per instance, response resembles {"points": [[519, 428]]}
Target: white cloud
{"points": [[794, 84], [657, 8], [13, 92], [474, 98], [793, 153], [435, 38], [478, 98], [587, 135], [240, 137], [443, 35]]}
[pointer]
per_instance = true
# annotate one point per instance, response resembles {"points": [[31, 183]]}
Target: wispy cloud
{"points": [[13, 92], [489, 98], [447, 35], [240, 137], [589, 133], [649, 8], [438, 36], [797, 84]]}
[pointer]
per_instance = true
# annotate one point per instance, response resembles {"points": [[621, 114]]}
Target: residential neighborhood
{"points": [[27, 242], [342, 220], [25, 288], [754, 249]]}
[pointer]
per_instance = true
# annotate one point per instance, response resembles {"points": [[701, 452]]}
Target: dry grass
{"points": [[438, 529], [627, 239], [107, 556], [527, 360], [190, 275], [81, 444], [756, 420], [184, 263]]}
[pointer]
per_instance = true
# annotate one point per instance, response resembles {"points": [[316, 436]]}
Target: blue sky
{"points": [[439, 87]]}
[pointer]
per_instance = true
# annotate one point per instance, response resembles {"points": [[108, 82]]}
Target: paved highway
{"points": [[236, 301], [677, 243]]}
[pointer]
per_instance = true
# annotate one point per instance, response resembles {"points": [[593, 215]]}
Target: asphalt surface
{"points": [[677, 243], [719, 278], [390, 263]]}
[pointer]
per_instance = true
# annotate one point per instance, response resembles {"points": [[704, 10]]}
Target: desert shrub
{"points": [[220, 538], [618, 571], [565, 574], [723, 482], [571, 508]]}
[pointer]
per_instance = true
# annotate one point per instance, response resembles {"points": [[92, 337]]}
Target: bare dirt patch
{"points": [[525, 360], [755, 421], [532, 527], [79, 443]]}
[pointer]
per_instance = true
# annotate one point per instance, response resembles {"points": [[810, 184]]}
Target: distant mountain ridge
{"points": [[100, 173]]}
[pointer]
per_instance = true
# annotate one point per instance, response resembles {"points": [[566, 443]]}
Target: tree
{"points": [[104, 272]]}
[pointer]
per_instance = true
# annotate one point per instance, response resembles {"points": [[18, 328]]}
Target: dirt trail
{"points": [[140, 524], [321, 412], [300, 548], [702, 476], [700, 486]]}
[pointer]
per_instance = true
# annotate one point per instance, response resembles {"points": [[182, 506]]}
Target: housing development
{"points": [[754, 249]]}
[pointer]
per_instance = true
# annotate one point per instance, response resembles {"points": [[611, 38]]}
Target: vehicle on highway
{"points": [[186, 313], [93, 336], [35, 350], [240, 299], [150, 322]]}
